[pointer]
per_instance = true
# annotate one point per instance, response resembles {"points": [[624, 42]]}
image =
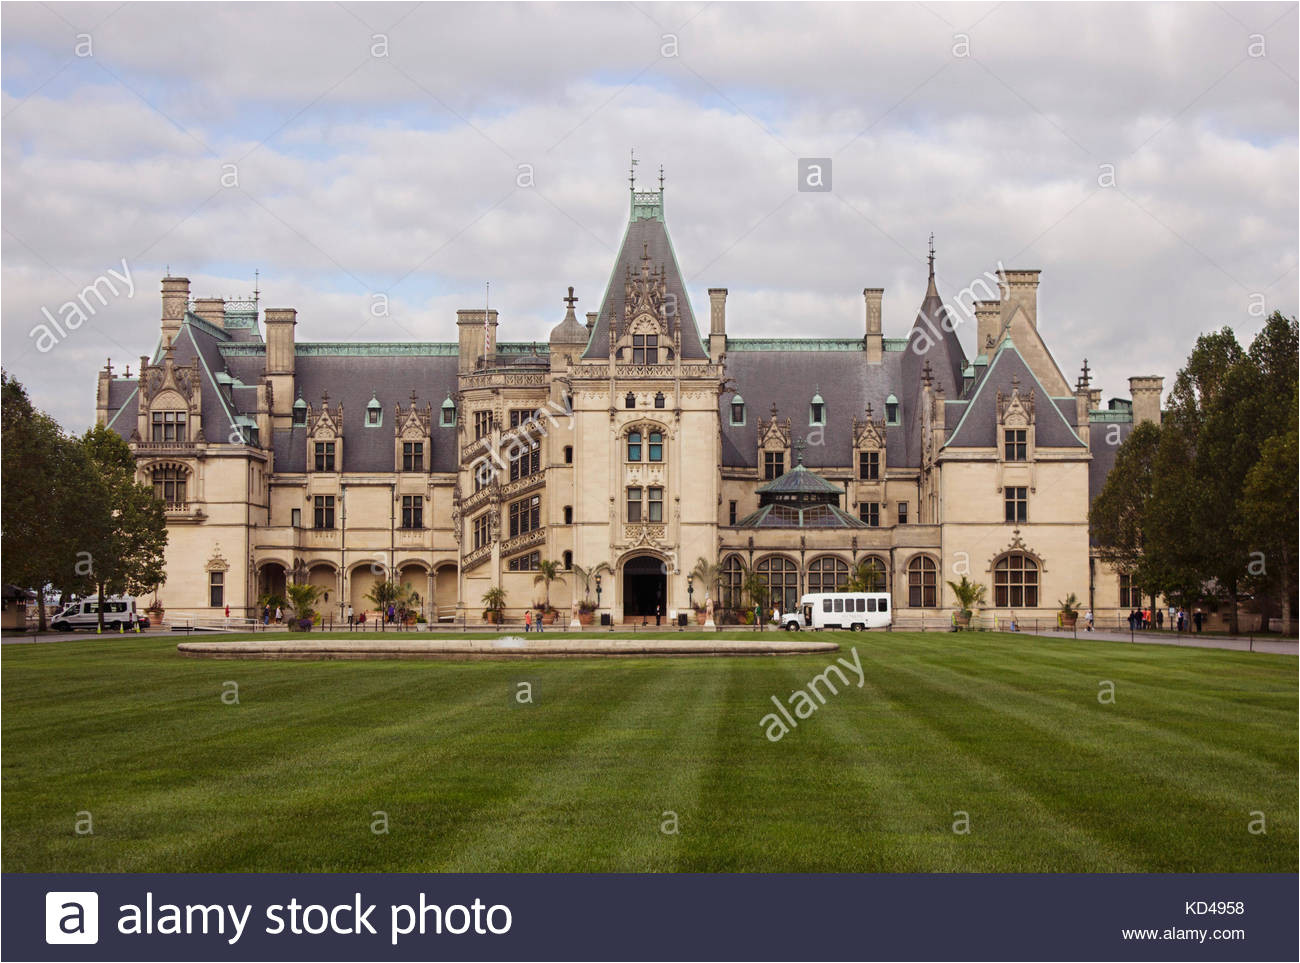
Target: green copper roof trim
{"points": [[647, 205], [376, 349], [230, 416], [206, 326], [134, 392], [1008, 346], [1097, 414], [895, 344], [793, 344]]}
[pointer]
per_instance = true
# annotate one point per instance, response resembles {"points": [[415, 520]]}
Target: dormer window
{"points": [[168, 426], [629, 401], [299, 413], [374, 413], [817, 410], [645, 349], [1015, 444], [738, 410], [891, 410], [448, 413]]}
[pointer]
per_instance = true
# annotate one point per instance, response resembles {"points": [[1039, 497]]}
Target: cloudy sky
{"points": [[385, 149]]}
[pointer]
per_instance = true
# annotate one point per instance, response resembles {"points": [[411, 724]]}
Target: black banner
{"points": [[648, 917]]}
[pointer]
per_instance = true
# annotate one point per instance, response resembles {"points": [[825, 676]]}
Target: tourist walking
{"points": [[279, 615], [1160, 618], [1198, 617], [1087, 620], [266, 615], [528, 620], [538, 621]]}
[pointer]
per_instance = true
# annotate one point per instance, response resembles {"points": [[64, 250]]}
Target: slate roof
{"points": [[928, 341], [978, 426], [645, 232], [790, 378]]}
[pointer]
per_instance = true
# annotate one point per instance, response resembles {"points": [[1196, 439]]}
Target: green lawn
{"points": [[1008, 729]]}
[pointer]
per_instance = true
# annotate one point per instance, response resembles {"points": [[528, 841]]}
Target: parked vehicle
{"points": [[84, 614], [856, 611]]}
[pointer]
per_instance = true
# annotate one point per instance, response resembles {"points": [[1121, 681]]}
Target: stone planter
{"points": [[585, 618], [962, 620], [548, 618], [701, 617], [1069, 621]]}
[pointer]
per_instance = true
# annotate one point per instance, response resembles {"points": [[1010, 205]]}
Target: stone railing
{"points": [[504, 379], [474, 447], [527, 540], [646, 370], [520, 485], [471, 503], [476, 557], [168, 446], [645, 532]]}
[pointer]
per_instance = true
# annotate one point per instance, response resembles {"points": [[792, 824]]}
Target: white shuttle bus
{"points": [[856, 611]]}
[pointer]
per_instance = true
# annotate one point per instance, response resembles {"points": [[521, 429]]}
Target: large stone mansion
{"points": [[630, 439]]}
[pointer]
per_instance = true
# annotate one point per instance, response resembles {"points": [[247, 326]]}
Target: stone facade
{"points": [[626, 440]]}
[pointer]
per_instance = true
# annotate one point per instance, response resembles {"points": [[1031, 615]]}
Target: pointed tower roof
{"points": [[646, 237], [933, 341]]}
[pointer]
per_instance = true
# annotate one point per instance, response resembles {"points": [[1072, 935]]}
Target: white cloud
{"points": [[399, 175]]}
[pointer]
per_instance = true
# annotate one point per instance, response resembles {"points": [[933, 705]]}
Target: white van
{"points": [[856, 611], [118, 610]]}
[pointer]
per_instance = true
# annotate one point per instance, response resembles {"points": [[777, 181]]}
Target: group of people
{"points": [[1145, 619], [530, 622], [266, 614]]}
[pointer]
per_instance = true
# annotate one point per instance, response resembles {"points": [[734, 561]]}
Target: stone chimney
{"points": [[1021, 287], [280, 323], [211, 310], [175, 302], [469, 323], [988, 322], [874, 342], [717, 323], [1145, 391]]}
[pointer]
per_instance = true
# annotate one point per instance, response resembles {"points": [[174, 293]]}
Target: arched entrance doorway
{"points": [[271, 580], [645, 587]]}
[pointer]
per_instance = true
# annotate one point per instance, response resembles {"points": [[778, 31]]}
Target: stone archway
{"points": [[272, 578], [416, 576], [446, 593], [325, 577], [362, 579], [645, 587]]}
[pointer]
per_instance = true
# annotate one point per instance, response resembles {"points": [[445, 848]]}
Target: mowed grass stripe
{"points": [[601, 806], [1006, 727], [1093, 769]]}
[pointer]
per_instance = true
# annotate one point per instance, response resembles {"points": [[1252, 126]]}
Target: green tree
{"points": [[548, 572], [865, 578], [123, 527], [303, 598], [1119, 515], [36, 455], [587, 576], [1268, 519], [708, 575], [968, 594]]}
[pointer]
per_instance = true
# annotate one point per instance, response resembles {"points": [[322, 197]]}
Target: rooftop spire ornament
{"points": [[631, 171]]}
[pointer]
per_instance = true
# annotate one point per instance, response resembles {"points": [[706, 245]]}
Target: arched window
{"points": [[871, 575], [828, 574], [922, 583], [634, 446], [782, 578], [656, 446], [1015, 582], [733, 582], [169, 486], [659, 399], [629, 400]]}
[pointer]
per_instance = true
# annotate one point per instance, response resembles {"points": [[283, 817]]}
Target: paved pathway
{"points": [[1264, 643]]}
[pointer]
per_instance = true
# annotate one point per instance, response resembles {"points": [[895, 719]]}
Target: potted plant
{"points": [[969, 594], [548, 572], [494, 601], [586, 576], [303, 597], [1069, 614], [586, 610]]}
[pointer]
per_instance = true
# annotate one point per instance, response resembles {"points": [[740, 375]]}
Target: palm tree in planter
{"points": [[586, 576], [303, 598], [708, 575], [1069, 611], [969, 594], [548, 572], [494, 600]]}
